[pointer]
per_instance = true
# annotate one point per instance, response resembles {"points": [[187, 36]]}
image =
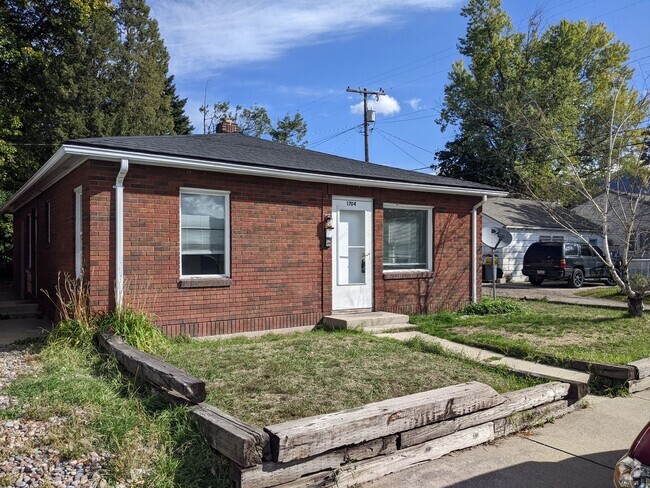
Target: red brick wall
{"points": [[54, 260], [281, 276]]}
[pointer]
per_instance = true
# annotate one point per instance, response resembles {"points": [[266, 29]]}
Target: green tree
{"points": [[516, 85], [291, 131], [78, 68], [143, 105], [255, 121], [34, 37], [182, 124]]}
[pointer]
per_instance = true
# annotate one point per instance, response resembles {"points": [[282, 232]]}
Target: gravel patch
{"points": [[26, 459]]}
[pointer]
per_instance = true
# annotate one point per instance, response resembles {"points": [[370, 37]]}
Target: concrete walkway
{"points": [[576, 451], [554, 292], [17, 329], [493, 358]]}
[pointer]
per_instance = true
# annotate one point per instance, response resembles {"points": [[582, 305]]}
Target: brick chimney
{"points": [[227, 126]]}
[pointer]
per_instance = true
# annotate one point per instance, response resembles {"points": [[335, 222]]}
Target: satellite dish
{"points": [[496, 237]]}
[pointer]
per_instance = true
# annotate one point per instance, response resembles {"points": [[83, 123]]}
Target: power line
{"points": [[407, 142], [400, 148]]}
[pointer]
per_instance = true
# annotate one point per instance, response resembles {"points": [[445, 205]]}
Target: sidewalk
{"points": [[552, 292], [577, 451]]}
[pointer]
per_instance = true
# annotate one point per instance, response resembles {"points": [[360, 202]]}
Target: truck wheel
{"points": [[577, 278], [536, 281]]}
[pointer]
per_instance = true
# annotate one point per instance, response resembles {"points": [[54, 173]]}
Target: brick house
{"points": [[227, 233]]}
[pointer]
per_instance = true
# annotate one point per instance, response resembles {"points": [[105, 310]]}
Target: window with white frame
{"points": [[407, 238], [205, 233]]}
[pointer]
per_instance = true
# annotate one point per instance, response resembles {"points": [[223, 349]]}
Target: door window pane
{"points": [[406, 239], [203, 234]]}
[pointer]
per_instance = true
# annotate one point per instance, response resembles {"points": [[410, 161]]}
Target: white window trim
{"points": [[29, 239], [78, 231], [200, 191], [48, 207], [429, 210]]}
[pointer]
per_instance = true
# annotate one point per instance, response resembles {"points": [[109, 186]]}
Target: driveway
{"points": [[553, 292], [577, 451]]}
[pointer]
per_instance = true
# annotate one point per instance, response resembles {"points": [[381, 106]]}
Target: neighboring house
{"points": [[621, 213], [227, 233], [529, 222]]}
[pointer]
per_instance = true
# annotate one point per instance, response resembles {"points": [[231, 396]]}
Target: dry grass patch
{"points": [[276, 378]]}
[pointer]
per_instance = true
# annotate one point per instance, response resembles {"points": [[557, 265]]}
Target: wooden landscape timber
{"points": [[613, 371], [642, 367], [371, 469], [516, 401], [299, 439], [272, 474], [533, 417], [635, 386], [151, 369], [360, 444], [238, 441]]}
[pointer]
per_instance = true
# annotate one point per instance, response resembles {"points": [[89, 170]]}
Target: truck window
{"points": [[571, 250]]}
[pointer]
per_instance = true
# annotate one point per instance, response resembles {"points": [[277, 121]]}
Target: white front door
{"points": [[352, 254]]}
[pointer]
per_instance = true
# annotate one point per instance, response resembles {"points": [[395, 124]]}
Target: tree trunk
{"points": [[635, 306]]}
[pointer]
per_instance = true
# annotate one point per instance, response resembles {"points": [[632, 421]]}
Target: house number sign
{"points": [[351, 203]]}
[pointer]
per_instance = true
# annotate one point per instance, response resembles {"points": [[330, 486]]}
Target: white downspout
{"points": [[474, 239], [119, 233]]}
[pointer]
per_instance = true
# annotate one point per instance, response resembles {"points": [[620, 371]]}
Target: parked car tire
{"points": [[577, 278], [536, 281]]}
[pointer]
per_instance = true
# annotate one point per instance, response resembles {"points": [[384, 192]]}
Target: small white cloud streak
{"points": [[206, 35], [415, 103], [386, 105]]}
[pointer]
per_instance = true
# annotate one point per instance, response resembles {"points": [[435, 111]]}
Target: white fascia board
{"points": [[223, 167], [51, 163]]}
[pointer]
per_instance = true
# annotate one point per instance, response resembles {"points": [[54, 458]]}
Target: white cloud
{"points": [[386, 105], [415, 103], [206, 35]]}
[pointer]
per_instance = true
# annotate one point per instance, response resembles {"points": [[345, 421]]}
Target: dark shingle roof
{"points": [[521, 214], [252, 151]]}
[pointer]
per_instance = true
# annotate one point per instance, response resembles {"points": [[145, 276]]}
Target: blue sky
{"points": [[302, 55]]}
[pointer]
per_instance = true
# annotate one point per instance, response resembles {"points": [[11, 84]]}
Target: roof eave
{"points": [[82, 153]]}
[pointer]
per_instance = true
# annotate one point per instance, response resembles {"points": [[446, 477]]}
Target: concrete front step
{"points": [[363, 320], [15, 309]]}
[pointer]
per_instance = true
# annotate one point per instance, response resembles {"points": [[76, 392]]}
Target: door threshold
{"points": [[351, 311]]}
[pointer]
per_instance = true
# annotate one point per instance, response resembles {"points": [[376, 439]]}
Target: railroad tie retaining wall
{"points": [[355, 445]]}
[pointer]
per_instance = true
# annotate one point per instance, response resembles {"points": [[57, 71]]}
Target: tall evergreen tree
{"points": [[144, 102], [182, 124]]}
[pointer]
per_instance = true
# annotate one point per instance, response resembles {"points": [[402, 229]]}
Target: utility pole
{"points": [[365, 94]]}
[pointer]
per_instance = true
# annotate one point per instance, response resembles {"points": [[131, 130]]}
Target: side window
{"points": [[599, 250], [205, 233], [585, 251], [571, 250]]}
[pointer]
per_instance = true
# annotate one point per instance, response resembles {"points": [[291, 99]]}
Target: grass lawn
{"points": [[609, 292], [549, 331], [151, 443], [276, 378]]}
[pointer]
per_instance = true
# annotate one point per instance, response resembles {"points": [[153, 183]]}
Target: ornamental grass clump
{"points": [[488, 306], [137, 328], [71, 301]]}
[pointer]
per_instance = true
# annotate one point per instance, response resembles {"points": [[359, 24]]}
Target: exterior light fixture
{"points": [[329, 230]]}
